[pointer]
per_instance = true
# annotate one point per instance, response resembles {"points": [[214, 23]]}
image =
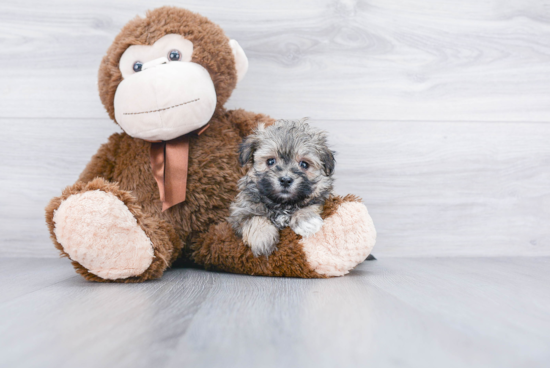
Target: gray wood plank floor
{"points": [[394, 312]]}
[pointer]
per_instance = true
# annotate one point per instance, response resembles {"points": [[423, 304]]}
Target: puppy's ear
{"points": [[247, 148], [328, 160]]}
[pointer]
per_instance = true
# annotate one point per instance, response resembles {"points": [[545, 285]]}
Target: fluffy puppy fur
{"points": [[288, 181]]}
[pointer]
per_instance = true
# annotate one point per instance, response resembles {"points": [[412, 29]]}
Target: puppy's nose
{"points": [[285, 181]]}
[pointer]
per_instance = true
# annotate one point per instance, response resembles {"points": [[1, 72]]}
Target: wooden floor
{"points": [[393, 312]]}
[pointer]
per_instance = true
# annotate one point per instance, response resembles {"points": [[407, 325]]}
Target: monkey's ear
{"points": [[247, 148], [241, 61], [328, 160]]}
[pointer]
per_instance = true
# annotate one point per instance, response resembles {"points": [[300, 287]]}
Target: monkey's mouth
{"points": [[165, 108]]}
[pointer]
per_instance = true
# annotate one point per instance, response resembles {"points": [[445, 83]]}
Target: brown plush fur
{"points": [[195, 229]]}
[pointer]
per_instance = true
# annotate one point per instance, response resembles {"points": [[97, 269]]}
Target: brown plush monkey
{"points": [[162, 189]]}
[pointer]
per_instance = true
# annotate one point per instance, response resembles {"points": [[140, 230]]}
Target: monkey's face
{"points": [[165, 75], [164, 94]]}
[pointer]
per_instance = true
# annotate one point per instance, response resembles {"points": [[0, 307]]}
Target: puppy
{"points": [[289, 179]]}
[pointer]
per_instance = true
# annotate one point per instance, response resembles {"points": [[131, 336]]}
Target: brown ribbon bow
{"points": [[169, 162]]}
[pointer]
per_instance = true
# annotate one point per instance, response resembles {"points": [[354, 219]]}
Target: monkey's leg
{"points": [[344, 241], [107, 236]]}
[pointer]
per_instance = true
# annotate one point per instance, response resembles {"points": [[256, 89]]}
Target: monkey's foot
{"points": [[97, 230], [345, 240]]}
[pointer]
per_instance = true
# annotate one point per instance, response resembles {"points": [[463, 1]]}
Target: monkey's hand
{"points": [[307, 221], [344, 241], [260, 235]]}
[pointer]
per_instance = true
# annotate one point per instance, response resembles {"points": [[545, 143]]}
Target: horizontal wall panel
{"points": [[355, 60], [432, 188]]}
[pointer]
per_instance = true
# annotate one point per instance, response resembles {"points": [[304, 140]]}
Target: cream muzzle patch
{"points": [[165, 98]]}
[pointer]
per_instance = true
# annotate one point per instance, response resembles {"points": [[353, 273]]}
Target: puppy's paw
{"points": [[260, 235], [308, 226]]}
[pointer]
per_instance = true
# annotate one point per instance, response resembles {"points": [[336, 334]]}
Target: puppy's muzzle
{"points": [[286, 181]]}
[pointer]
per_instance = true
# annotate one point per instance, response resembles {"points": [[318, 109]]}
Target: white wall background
{"points": [[439, 109]]}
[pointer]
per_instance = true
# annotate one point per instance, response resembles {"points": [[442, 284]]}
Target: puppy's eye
{"points": [[137, 66], [304, 165], [174, 55], [270, 161]]}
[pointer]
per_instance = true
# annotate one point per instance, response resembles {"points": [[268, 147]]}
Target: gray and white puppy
{"points": [[290, 178]]}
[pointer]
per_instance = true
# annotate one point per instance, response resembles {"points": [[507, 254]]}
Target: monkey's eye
{"points": [[270, 161], [304, 165], [137, 66], [174, 55]]}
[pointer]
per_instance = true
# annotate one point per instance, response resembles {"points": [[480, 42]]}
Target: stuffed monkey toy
{"points": [[161, 190]]}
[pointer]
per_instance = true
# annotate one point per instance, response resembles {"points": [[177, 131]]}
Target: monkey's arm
{"points": [[102, 163], [246, 121]]}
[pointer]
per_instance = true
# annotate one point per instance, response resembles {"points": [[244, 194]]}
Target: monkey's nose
{"points": [[153, 63], [285, 181]]}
